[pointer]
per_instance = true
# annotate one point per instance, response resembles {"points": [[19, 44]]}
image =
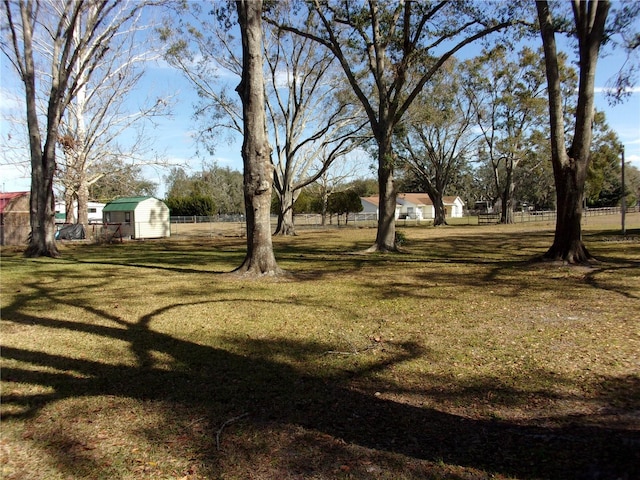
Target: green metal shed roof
{"points": [[124, 204]]}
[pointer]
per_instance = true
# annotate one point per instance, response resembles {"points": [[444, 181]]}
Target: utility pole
{"points": [[623, 202]]}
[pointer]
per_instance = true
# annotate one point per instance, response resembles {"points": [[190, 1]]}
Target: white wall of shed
{"points": [[151, 219]]}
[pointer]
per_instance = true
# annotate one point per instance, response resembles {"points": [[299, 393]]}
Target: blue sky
{"points": [[173, 136], [623, 118]]}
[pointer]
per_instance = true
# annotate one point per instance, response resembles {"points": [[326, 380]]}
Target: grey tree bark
{"points": [[570, 166], [256, 151], [68, 40]]}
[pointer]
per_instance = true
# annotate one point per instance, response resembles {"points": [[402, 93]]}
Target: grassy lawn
{"points": [[460, 358]]}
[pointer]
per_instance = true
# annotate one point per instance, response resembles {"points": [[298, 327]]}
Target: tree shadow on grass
{"points": [[503, 255], [509, 260], [284, 401], [509, 263]]}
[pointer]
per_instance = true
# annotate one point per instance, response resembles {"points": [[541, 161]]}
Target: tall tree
{"points": [[332, 181], [222, 184], [509, 97], [603, 186], [344, 202], [310, 121], [102, 111], [388, 51], [535, 175], [570, 165], [256, 151], [438, 136], [76, 36], [313, 122]]}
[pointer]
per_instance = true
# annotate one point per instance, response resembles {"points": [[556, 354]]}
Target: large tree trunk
{"points": [[285, 215], [83, 200], [439, 214], [69, 205], [386, 233], [80, 155], [256, 152], [436, 196], [506, 216], [324, 206], [567, 243], [42, 210], [570, 168], [43, 161]]}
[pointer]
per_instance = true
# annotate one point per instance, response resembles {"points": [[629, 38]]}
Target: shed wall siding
{"points": [[14, 222], [151, 219]]}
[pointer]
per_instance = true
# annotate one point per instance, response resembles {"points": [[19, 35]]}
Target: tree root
{"points": [[226, 423]]}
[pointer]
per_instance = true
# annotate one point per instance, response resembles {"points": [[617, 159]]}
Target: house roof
{"points": [[450, 200], [413, 198], [423, 199], [124, 204], [375, 200], [6, 197]]}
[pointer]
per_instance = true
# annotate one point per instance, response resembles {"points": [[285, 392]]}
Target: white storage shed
{"points": [[138, 217]]}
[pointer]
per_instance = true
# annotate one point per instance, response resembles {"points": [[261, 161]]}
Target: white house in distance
{"points": [[138, 217], [94, 211], [417, 206]]}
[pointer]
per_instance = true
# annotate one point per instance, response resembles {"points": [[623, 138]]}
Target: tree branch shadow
{"points": [[280, 397]]}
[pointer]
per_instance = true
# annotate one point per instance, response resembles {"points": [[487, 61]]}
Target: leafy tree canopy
{"points": [[344, 202], [123, 180], [221, 184], [198, 205]]}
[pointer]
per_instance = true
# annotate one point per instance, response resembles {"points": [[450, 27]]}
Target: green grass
{"points": [[460, 358]]}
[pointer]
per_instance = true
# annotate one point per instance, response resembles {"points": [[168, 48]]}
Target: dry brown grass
{"points": [[460, 358]]}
